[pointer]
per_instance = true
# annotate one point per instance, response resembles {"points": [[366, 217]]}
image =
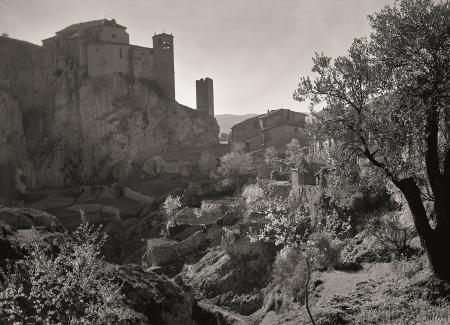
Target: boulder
{"points": [[25, 218], [160, 251]]}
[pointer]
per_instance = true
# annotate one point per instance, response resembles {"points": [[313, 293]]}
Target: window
{"points": [[166, 45], [120, 52], [113, 35]]}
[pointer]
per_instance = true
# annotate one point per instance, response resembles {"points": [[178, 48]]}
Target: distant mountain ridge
{"points": [[226, 121]]}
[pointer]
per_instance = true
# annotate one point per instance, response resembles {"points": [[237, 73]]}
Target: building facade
{"points": [[274, 129], [102, 47]]}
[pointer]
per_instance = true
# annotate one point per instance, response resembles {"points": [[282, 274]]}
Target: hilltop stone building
{"points": [[101, 47], [275, 129]]}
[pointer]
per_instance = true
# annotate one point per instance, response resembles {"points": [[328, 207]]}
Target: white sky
{"points": [[254, 50]]}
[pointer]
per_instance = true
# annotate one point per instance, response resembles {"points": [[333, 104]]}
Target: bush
{"points": [[236, 167], [290, 272], [170, 206], [410, 268], [327, 255], [394, 231], [155, 166], [252, 193], [69, 287]]}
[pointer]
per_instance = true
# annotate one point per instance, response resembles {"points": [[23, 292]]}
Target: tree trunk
{"points": [[308, 279], [436, 242]]}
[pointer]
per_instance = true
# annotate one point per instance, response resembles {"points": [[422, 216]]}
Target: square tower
{"points": [[205, 95], [163, 65]]}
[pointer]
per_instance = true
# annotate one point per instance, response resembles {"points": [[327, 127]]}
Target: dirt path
{"points": [[338, 283], [335, 283]]}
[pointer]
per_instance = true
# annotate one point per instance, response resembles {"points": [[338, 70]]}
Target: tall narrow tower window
{"points": [[120, 52]]}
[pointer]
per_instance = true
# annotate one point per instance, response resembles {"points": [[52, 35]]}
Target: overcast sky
{"points": [[254, 50]]}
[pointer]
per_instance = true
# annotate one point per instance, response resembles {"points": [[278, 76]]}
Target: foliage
{"points": [[387, 102], [289, 272], [236, 166], [170, 206], [210, 211], [223, 137], [69, 287], [408, 295], [325, 251], [393, 232], [155, 166], [281, 225], [271, 157], [252, 193], [289, 227], [296, 156], [403, 298]]}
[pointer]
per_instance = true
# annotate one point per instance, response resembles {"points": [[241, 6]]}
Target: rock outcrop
{"points": [[233, 275], [25, 218], [60, 127], [157, 299]]}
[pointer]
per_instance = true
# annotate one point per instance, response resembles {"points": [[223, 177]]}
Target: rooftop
{"points": [[269, 113], [89, 24]]}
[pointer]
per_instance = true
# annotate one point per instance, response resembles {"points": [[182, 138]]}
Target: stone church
{"points": [[102, 47]]}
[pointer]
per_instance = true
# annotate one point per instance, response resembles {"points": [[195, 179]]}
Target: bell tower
{"points": [[164, 71]]}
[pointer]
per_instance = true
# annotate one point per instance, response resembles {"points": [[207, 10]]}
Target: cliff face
{"points": [[60, 128]]}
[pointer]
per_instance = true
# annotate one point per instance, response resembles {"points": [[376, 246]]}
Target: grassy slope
{"points": [[396, 293], [335, 283]]}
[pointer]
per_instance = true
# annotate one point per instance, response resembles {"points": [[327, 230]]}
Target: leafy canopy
{"points": [[380, 98]]}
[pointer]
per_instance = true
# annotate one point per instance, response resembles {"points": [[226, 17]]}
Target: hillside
{"points": [[59, 127], [226, 121]]}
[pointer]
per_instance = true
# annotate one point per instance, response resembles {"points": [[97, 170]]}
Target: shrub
{"points": [[155, 166], [327, 255], [69, 287], [252, 193], [211, 212], [411, 267], [290, 272], [295, 156], [236, 167], [394, 231], [170, 206]]}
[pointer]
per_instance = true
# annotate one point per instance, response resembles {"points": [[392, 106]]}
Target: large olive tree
{"points": [[388, 101]]}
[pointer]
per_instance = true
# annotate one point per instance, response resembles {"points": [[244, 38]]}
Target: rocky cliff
{"points": [[59, 127]]}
